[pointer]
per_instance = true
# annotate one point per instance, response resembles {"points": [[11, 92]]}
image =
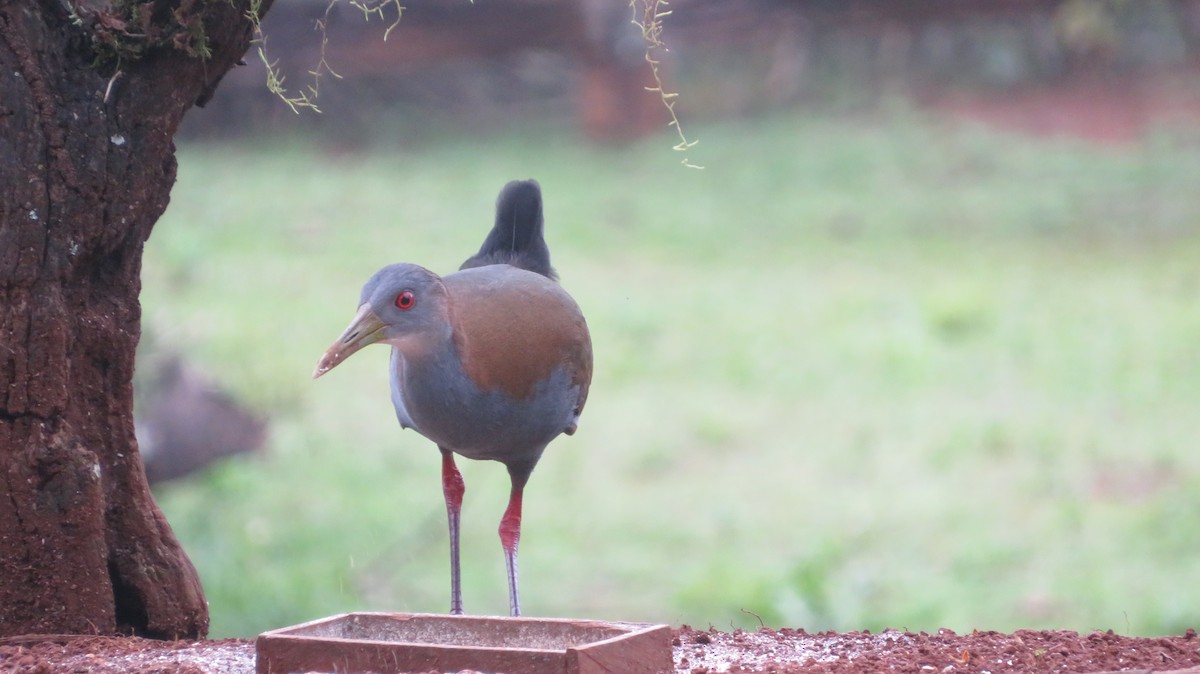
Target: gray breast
{"points": [[442, 404], [398, 392]]}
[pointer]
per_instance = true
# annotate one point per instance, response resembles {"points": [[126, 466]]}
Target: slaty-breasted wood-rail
{"points": [[490, 362]]}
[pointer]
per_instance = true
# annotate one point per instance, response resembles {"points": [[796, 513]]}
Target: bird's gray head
{"points": [[402, 304]]}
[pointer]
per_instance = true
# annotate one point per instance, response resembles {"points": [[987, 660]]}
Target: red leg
{"points": [[453, 489], [510, 537]]}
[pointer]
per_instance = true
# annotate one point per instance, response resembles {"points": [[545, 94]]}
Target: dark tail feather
{"points": [[516, 238]]}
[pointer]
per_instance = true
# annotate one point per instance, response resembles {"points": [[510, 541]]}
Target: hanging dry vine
{"points": [[306, 97], [648, 15]]}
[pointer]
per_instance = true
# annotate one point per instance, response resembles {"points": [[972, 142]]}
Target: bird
{"points": [[490, 362]]}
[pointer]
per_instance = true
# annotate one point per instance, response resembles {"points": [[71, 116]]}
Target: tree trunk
{"points": [[86, 166]]}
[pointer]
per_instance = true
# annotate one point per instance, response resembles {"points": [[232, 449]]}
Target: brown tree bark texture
{"points": [[86, 167]]}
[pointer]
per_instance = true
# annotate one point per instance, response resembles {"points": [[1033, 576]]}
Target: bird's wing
{"points": [[515, 328]]}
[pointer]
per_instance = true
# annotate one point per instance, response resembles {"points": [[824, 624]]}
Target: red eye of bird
{"points": [[405, 300]]}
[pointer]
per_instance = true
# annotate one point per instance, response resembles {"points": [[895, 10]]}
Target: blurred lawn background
{"points": [[862, 371]]}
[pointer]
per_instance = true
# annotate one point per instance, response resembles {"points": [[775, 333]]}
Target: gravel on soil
{"points": [[784, 651]]}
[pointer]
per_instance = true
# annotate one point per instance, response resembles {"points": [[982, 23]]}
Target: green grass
{"points": [[858, 373]]}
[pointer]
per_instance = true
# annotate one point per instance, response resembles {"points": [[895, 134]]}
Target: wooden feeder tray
{"points": [[420, 642]]}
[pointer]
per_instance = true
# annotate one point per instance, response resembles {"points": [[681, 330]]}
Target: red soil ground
{"points": [[696, 652], [1109, 109]]}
